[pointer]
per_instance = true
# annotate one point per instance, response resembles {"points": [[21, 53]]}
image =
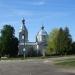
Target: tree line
{"points": [[60, 42]]}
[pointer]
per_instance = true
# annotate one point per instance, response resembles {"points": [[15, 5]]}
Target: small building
{"points": [[39, 45]]}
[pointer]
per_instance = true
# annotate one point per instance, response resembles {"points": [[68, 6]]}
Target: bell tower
{"points": [[23, 37], [23, 33]]}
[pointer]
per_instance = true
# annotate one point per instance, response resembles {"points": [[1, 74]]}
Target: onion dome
{"points": [[42, 35]]}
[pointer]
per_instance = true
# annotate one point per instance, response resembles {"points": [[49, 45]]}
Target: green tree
{"points": [[8, 41], [64, 41], [60, 41], [73, 48], [52, 41], [0, 47], [68, 41]]}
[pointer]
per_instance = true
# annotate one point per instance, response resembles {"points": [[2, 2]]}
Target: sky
{"points": [[50, 13]]}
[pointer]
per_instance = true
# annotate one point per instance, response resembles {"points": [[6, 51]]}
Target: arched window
{"points": [[22, 36]]}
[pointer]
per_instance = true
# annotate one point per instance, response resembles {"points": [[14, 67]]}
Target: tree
{"points": [[52, 41], [60, 42], [0, 47], [8, 41], [68, 41], [14, 47], [73, 48], [64, 41]]}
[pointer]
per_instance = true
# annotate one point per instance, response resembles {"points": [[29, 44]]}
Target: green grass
{"points": [[66, 62]]}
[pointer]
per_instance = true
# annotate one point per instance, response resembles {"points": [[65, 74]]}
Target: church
{"points": [[39, 45]]}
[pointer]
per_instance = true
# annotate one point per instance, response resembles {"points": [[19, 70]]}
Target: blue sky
{"points": [[50, 13]]}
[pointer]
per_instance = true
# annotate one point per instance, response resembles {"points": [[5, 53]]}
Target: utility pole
{"points": [[24, 50]]}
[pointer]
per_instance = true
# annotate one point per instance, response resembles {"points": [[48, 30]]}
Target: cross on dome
{"points": [[23, 21], [42, 27]]}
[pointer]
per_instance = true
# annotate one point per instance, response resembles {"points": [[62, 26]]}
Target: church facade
{"points": [[39, 45]]}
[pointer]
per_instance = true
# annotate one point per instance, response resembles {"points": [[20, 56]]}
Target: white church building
{"points": [[39, 45]]}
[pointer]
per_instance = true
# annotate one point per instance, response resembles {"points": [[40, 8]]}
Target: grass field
{"points": [[70, 62]]}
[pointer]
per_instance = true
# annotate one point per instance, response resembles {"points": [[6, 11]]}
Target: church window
{"points": [[43, 37], [22, 36]]}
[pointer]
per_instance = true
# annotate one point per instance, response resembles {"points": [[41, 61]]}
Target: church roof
{"points": [[23, 27], [42, 31]]}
